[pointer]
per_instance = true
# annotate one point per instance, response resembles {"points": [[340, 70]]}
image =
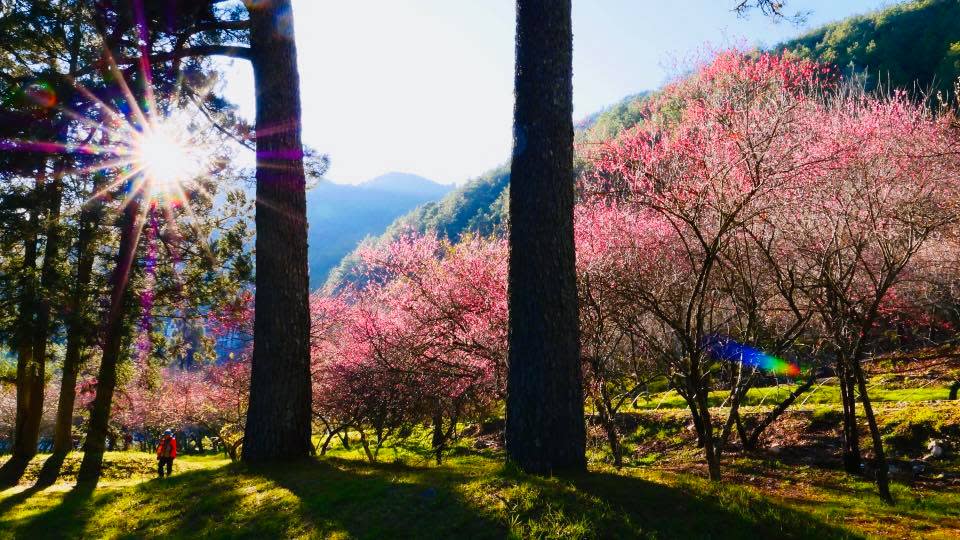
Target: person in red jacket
{"points": [[166, 452]]}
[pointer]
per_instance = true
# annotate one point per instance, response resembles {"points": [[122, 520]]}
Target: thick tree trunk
{"points": [[98, 430], [278, 418], [30, 371], [545, 428]]}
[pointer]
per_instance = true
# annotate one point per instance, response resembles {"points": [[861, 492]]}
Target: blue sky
{"points": [[426, 86]]}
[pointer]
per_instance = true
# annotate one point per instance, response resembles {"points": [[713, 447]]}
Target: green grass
{"points": [[822, 395], [473, 495], [470, 496]]}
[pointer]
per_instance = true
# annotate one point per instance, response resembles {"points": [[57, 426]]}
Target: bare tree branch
{"points": [[770, 8]]}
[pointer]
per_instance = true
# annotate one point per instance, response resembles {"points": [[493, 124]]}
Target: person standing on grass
{"points": [[166, 452]]}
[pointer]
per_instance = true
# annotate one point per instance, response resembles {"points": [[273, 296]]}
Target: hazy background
{"points": [[426, 86]]}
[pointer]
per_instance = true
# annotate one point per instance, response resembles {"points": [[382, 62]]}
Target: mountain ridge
{"points": [[342, 215], [883, 41]]}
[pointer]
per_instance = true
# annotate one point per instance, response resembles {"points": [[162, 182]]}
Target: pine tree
{"points": [[545, 429]]}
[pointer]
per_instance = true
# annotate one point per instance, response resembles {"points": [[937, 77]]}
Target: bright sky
{"points": [[426, 86]]}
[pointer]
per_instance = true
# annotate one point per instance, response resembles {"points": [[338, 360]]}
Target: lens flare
{"points": [[42, 94], [141, 155], [726, 349], [166, 160]]}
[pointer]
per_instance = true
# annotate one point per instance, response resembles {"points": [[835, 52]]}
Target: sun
{"points": [[165, 157]]}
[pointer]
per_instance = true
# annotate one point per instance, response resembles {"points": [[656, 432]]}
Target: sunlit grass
{"points": [[473, 496], [819, 395]]}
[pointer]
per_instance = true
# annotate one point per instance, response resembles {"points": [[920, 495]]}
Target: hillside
{"points": [[914, 42], [479, 205], [341, 215], [406, 184]]}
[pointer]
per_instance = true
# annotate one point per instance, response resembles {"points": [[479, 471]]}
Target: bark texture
{"points": [[95, 444], [78, 335], [278, 418], [545, 429], [30, 370]]}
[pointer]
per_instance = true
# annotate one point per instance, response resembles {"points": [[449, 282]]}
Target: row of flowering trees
{"points": [[762, 198], [767, 201], [423, 339]]}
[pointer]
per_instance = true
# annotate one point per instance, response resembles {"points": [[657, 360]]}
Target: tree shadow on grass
{"points": [[698, 509], [308, 498], [12, 471], [12, 501], [386, 500], [65, 519]]}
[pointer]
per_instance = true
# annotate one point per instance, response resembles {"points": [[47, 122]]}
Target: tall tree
{"points": [[41, 47], [154, 34], [278, 419], [30, 369], [79, 331], [94, 446], [545, 425]]}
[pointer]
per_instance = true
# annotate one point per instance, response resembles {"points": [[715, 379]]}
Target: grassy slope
{"points": [[472, 496], [826, 394]]}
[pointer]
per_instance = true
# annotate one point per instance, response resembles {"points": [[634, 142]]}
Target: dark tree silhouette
{"points": [[78, 335], [95, 444], [30, 369], [545, 425], [278, 420]]}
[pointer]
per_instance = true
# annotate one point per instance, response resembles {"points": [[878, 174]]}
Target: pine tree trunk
{"points": [[98, 429], [48, 278], [545, 428], [30, 372], [77, 337], [278, 418]]}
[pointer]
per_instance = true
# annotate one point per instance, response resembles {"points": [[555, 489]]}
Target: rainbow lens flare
{"points": [[729, 350]]}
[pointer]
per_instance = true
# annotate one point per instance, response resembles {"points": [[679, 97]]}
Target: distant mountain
{"points": [[407, 184], [341, 215], [912, 43]]}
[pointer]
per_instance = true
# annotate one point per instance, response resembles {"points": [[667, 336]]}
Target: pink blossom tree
{"points": [[718, 151], [423, 339]]}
